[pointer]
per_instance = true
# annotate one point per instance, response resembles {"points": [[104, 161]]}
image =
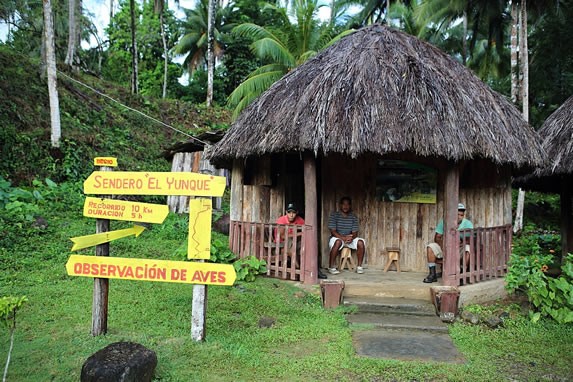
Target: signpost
{"points": [[81, 242], [154, 183], [102, 267], [151, 270], [199, 242], [124, 210]]}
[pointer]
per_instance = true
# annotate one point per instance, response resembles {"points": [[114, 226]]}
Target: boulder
{"points": [[120, 362]]}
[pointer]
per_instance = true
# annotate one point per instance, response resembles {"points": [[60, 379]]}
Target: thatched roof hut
{"points": [[556, 175], [370, 116], [382, 91], [557, 145]]}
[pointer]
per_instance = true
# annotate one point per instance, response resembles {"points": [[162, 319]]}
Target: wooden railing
{"points": [[281, 246], [489, 254]]}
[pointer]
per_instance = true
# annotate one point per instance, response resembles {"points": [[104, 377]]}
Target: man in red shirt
{"points": [[290, 218]]}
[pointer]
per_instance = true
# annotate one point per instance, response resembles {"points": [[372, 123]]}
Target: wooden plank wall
{"points": [[408, 226], [182, 162], [191, 162]]}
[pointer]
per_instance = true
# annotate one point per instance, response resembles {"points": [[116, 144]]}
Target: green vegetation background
{"points": [[306, 343]]}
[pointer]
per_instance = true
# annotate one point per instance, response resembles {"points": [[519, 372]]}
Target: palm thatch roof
{"points": [[557, 133], [557, 145], [382, 91]]}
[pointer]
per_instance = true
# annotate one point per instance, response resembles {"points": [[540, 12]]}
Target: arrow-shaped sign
{"points": [[104, 237]]}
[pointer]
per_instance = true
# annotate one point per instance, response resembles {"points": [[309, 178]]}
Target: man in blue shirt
{"points": [[343, 226], [434, 250]]}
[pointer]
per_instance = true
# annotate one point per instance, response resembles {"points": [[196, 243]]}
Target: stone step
{"points": [[369, 304], [397, 321], [406, 345]]}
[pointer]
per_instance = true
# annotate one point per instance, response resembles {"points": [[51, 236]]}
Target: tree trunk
{"points": [[72, 34], [524, 61], [134, 77], [165, 54], [51, 72], [465, 38], [514, 53], [210, 51], [110, 10]]}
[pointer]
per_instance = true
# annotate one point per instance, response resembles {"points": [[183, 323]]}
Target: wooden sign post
{"points": [[102, 267], [101, 285]]}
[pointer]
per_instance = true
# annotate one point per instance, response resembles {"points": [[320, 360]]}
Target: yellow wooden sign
{"points": [[151, 270], [199, 241], [81, 242], [154, 183], [123, 210], [105, 161]]}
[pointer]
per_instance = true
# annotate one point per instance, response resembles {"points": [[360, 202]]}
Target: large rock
{"points": [[120, 362]]}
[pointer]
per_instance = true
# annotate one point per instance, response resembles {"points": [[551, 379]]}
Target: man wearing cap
{"points": [[434, 250], [292, 217]]}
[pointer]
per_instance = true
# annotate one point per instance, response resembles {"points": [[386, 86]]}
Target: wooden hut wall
{"points": [[191, 162], [408, 226], [254, 197], [183, 162]]}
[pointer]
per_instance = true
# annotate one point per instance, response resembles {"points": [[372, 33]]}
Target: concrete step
{"points": [[406, 345], [397, 321], [370, 304], [377, 283]]}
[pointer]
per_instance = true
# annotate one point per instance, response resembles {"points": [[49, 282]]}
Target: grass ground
{"points": [[306, 343]]}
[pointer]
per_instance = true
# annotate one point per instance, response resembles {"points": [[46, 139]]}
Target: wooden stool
{"points": [[393, 255], [346, 259]]}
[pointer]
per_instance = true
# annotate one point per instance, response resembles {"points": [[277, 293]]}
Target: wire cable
{"points": [[132, 109]]}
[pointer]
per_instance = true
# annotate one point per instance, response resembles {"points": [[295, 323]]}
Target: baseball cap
{"points": [[291, 207], [461, 207]]}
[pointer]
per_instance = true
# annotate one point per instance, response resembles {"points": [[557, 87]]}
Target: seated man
{"points": [[434, 250], [291, 217], [343, 226]]}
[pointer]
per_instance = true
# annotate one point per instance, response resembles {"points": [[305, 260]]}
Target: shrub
{"points": [[249, 267], [550, 297]]}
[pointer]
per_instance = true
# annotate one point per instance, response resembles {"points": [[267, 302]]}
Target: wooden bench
{"points": [[393, 257], [346, 259]]}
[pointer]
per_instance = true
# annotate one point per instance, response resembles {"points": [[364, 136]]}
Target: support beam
{"points": [[311, 218], [236, 207], [451, 236]]}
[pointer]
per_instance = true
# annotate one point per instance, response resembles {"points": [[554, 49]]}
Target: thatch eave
{"points": [[382, 91]]}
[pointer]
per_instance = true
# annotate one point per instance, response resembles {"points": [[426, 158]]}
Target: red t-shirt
{"points": [[284, 220]]}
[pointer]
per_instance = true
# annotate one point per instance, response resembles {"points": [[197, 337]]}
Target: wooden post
{"points": [[451, 236], [566, 219], [310, 215], [101, 286], [236, 194], [199, 312]]}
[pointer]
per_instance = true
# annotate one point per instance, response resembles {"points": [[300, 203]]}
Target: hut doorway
{"points": [[293, 180]]}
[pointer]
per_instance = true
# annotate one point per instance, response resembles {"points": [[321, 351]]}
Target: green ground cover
{"points": [[306, 343]]}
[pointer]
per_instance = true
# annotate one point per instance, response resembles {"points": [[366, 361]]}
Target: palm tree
{"points": [[281, 49], [483, 22], [193, 44]]}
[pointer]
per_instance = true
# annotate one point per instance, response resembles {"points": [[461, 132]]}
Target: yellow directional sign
{"points": [[151, 270], [123, 210], [105, 161], [81, 242], [154, 183], [199, 242]]}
